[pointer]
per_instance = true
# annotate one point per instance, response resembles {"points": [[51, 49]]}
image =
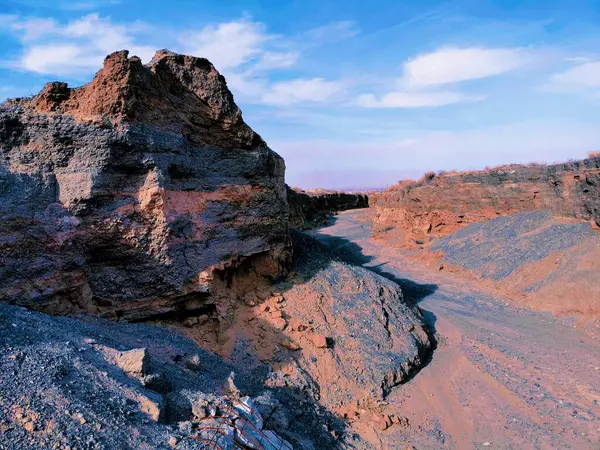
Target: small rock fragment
{"points": [[321, 341], [134, 362], [230, 386], [280, 323], [290, 345], [202, 319], [190, 322]]}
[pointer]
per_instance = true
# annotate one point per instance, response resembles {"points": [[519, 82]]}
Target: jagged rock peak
{"points": [[179, 93], [151, 182]]}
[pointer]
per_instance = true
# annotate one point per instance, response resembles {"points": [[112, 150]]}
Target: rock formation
{"points": [[311, 209], [339, 334], [439, 205], [137, 194], [143, 196]]}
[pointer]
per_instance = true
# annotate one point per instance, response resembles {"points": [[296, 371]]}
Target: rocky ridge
{"points": [[312, 209], [143, 196], [440, 204]]}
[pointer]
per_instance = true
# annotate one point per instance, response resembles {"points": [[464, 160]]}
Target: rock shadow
{"points": [[345, 250], [352, 253]]}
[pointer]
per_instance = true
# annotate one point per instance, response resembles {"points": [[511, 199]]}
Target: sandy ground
{"points": [[501, 377]]}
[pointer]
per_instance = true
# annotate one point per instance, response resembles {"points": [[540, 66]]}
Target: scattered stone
{"points": [[321, 341], [290, 345], [192, 362], [202, 319], [230, 386], [280, 323], [157, 382], [277, 314], [190, 322], [152, 405], [133, 362]]}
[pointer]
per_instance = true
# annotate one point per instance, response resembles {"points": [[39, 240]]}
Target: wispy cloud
{"points": [[455, 65], [583, 77], [243, 50], [228, 45], [332, 32], [302, 90], [246, 53], [424, 75], [74, 48], [411, 99]]}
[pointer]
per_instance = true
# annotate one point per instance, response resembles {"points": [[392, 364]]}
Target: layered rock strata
{"points": [[439, 205], [311, 209]]}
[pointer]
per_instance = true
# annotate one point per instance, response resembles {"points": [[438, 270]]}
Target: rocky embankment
{"points": [[438, 205], [312, 209], [529, 233], [95, 384], [143, 196]]}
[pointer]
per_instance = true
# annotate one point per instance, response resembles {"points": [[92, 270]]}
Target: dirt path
{"points": [[501, 377]]}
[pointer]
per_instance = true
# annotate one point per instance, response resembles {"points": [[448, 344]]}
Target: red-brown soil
{"points": [[501, 376], [563, 281], [438, 205]]}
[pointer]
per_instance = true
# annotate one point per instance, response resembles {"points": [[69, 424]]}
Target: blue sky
{"points": [[353, 94]]}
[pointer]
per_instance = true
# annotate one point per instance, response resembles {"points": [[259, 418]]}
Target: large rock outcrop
{"points": [[137, 194], [439, 205]]}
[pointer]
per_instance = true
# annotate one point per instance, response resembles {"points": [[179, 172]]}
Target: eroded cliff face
{"points": [[312, 209], [127, 196], [439, 205]]}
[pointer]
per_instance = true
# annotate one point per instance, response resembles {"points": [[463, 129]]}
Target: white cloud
{"points": [[411, 99], [583, 77], [245, 53], [332, 32], [454, 65], [424, 75], [227, 45], [277, 60], [59, 58], [74, 48], [243, 50], [302, 90], [35, 28]]}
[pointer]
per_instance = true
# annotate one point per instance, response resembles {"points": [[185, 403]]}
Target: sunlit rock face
{"points": [[130, 195], [440, 205]]}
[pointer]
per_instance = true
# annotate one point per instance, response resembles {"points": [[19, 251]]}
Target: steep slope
{"points": [[540, 261], [135, 191]]}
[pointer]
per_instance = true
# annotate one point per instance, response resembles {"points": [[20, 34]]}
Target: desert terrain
{"points": [[162, 287]]}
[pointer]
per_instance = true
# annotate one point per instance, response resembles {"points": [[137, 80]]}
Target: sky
{"points": [[353, 94]]}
